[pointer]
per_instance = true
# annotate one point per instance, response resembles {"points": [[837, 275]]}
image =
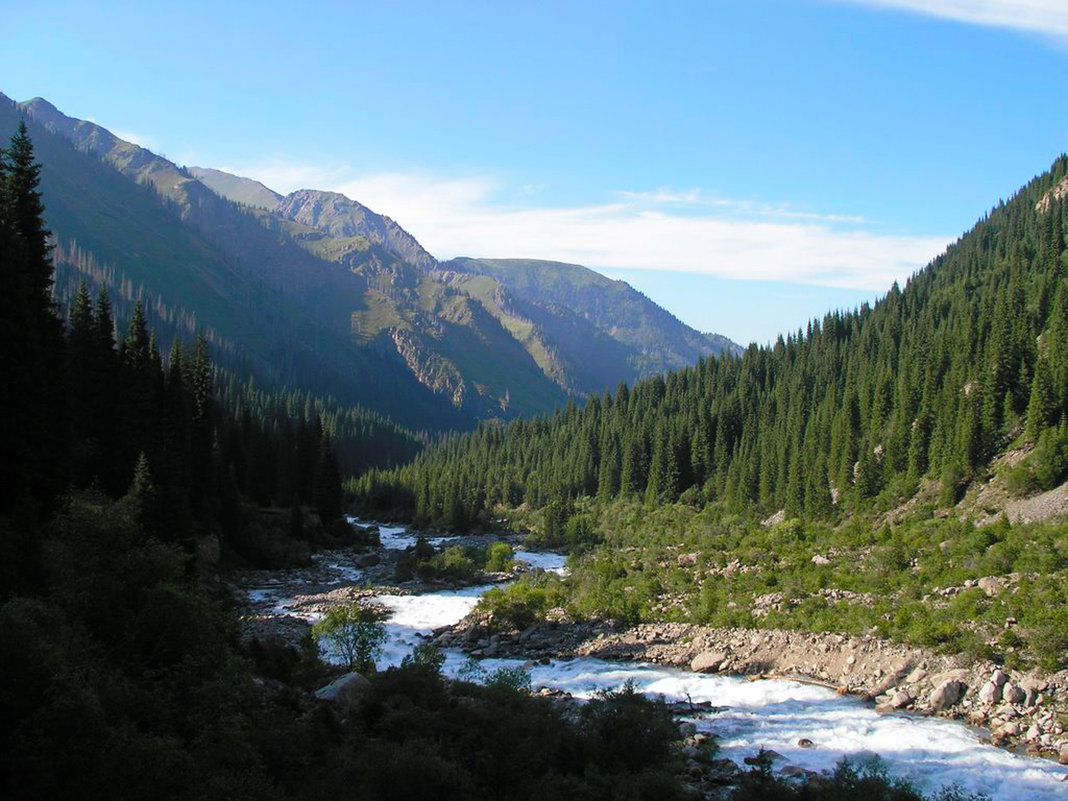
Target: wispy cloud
{"points": [[1047, 17], [696, 199], [683, 231]]}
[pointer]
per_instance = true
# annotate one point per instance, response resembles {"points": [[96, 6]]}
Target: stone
{"points": [[947, 694], [804, 742], [708, 661], [1030, 683], [916, 676], [901, 699], [1012, 694], [765, 754], [346, 691], [990, 585], [369, 560], [990, 693], [998, 677], [1009, 729], [1062, 757], [723, 771]]}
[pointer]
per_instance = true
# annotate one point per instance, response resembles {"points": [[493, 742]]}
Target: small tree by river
{"points": [[356, 633]]}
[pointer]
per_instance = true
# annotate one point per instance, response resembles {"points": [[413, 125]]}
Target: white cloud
{"points": [[1048, 17], [662, 230]]}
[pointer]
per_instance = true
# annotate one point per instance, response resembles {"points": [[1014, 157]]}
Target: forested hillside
{"points": [[932, 381]]}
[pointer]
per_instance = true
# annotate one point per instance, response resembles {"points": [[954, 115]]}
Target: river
{"points": [[772, 714]]}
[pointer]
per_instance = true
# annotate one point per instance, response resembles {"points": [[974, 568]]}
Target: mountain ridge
{"points": [[487, 344]]}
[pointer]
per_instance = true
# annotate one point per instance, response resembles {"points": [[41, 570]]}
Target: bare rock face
{"points": [[947, 694], [339, 216]]}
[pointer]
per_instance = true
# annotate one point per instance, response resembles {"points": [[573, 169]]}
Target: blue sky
{"points": [[747, 164]]}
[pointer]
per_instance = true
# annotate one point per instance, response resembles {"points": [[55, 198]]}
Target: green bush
{"points": [[629, 730], [425, 655], [525, 601], [499, 558], [356, 633], [1050, 459], [514, 679], [1045, 468]]}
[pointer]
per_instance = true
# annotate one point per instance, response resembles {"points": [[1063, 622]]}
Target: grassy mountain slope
{"points": [[576, 354], [332, 283], [583, 331], [340, 217], [232, 187], [658, 341], [510, 338], [137, 242]]}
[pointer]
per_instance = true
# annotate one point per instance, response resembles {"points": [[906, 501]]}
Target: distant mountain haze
{"points": [[315, 288]]}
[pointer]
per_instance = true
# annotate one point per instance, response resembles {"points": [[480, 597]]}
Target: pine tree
{"points": [[329, 498], [32, 404]]}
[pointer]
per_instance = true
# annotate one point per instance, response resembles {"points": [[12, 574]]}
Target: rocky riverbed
{"points": [[808, 727], [1027, 711]]}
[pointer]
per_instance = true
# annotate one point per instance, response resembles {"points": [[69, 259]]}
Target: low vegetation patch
{"points": [[998, 591]]}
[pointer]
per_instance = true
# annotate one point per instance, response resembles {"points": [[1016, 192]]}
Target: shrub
{"points": [[515, 679], [356, 634], [499, 558], [425, 655], [520, 604], [628, 730]]}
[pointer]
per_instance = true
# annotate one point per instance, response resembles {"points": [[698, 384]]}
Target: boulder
{"points": [[991, 585], [369, 560], [947, 694], [346, 691], [708, 661], [901, 699], [1062, 757], [1012, 694], [998, 677], [722, 772], [990, 693]]}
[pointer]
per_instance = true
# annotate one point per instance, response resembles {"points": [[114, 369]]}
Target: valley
{"points": [[627, 558], [768, 695]]}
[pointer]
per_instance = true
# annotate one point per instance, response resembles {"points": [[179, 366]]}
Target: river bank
{"points": [[1026, 711], [808, 725]]}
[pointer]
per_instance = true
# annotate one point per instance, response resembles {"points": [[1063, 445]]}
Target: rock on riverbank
{"points": [[1021, 709]]}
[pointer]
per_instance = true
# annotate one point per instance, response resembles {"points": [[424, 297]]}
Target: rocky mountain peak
{"points": [[340, 216]]}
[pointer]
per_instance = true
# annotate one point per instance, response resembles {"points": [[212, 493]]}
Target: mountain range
{"points": [[314, 289]]}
